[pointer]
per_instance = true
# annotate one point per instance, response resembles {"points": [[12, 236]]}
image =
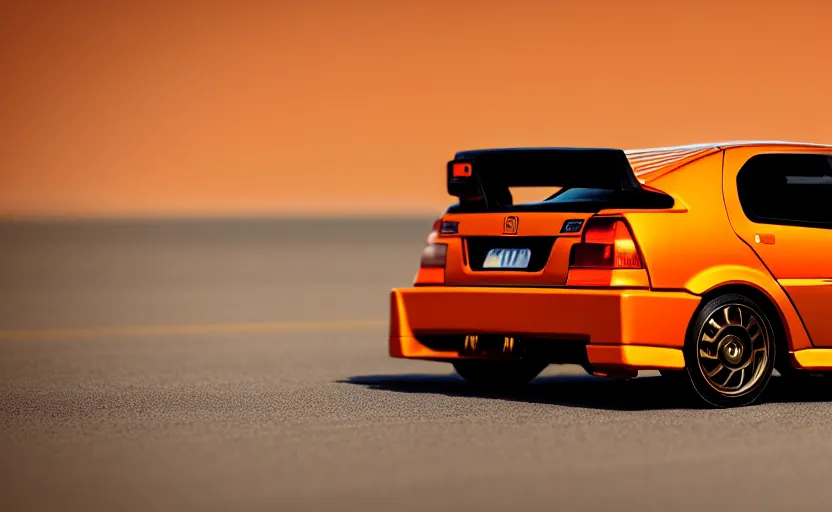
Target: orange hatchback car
{"points": [[710, 263]]}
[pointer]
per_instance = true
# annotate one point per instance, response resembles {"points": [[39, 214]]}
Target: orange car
{"points": [[710, 263]]}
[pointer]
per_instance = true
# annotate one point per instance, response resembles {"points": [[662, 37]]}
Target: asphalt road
{"points": [[243, 366]]}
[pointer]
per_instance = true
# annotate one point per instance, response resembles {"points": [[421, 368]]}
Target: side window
{"points": [[787, 189]]}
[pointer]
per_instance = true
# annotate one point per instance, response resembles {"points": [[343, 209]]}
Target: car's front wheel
{"points": [[498, 374], [729, 351]]}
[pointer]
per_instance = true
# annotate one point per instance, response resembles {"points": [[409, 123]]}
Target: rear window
{"points": [[578, 200], [583, 195], [787, 189]]}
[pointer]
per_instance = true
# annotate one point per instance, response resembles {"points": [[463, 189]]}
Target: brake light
{"points": [[433, 255], [607, 244], [607, 256], [432, 264]]}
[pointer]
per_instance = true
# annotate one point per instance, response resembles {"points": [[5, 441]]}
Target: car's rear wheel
{"points": [[730, 351], [498, 374]]}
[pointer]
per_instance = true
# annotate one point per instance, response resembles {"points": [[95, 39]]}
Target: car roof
{"points": [[648, 162]]}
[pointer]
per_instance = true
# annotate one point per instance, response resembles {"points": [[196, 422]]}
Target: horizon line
{"points": [[149, 217]]}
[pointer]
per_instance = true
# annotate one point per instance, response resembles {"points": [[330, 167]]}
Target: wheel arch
{"points": [[763, 289]]}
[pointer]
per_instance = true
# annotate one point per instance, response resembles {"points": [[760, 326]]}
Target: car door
{"points": [[780, 202]]}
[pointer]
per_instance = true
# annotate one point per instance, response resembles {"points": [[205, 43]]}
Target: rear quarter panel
{"points": [[799, 259], [697, 250]]}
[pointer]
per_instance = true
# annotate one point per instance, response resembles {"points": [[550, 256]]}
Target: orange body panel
{"points": [[636, 318], [635, 357], [699, 250], [799, 258], [601, 317], [813, 359], [813, 298], [458, 270]]}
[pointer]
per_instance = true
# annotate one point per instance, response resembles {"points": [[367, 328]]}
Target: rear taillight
{"points": [[432, 264], [607, 256], [433, 256], [607, 244]]}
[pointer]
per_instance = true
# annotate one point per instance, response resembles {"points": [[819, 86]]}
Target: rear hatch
{"points": [[494, 238]]}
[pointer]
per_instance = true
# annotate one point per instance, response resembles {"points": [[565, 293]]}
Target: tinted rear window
{"points": [[787, 189], [583, 195], [579, 200]]}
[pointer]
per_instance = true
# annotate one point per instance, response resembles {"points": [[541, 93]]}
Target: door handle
{"points": [[764, 238]]}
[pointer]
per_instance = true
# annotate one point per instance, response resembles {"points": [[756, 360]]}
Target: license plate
{"points": [[507, 258]]}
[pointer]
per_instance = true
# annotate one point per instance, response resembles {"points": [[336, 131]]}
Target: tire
{"points": [[490, 374], [730, 351]]}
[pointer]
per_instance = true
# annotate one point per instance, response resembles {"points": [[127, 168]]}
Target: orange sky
{"points": [[217, 107]]}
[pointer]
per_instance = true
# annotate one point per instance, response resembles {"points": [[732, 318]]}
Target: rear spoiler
{"points": [[486, 175]]}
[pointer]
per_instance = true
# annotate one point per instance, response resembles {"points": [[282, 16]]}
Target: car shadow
{"points": [[585, 391]]}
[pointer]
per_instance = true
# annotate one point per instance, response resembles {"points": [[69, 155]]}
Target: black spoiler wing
{"points": [[486, 175]]}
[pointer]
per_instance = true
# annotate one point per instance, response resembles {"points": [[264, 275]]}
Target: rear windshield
{"points": [[582, 195], [579, 200]]}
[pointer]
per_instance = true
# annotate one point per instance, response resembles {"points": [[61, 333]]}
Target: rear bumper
{"points": [[632, 329]]}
